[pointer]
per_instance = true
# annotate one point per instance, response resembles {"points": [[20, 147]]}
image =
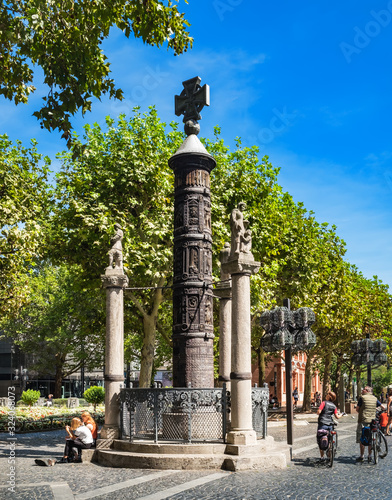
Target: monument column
{"points": [[114, 280], [223, 291], [241, 266], [193, 331]]}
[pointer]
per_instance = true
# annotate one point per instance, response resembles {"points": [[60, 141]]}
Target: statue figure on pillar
{"points": [[241, 237], [115, 252]]}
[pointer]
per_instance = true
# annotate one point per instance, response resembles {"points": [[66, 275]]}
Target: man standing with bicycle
{"points": [[366, 408]]}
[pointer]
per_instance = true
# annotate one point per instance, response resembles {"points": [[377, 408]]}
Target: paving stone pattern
{"points": [[303, 479]]}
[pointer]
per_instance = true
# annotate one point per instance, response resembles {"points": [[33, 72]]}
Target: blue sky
{"points": [[308, 82]]}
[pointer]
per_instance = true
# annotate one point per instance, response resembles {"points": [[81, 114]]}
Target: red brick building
{"points": [[276, 378]]}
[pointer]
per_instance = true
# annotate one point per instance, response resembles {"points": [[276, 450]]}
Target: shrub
{"points": [[95, 395], [30, 397]]}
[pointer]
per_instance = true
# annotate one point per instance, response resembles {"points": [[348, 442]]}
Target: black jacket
{"points": [[325, 417]]}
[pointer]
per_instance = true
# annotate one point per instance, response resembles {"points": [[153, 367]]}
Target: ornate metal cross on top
{"points": [[190, 102]]}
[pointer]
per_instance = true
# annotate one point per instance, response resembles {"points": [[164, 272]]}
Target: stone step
{"points": [[168, 448], [116, 458]]}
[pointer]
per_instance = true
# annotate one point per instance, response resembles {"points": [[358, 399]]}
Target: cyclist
{"points": [[366, 408], [326, 411]]}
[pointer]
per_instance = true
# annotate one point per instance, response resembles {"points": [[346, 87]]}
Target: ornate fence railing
{"points": [[186, 415]]}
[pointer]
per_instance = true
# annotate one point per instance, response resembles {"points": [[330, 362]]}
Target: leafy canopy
{"points": [[64, 38], [24, 209]]}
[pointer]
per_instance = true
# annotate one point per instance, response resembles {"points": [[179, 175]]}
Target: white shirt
{"points": [[84, 434]]}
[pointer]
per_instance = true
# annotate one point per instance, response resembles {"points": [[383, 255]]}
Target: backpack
{"points": [[365, 436], [322, 439]]}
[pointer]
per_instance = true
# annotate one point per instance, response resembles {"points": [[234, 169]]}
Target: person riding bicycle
{"points": [[326, 411], [366, 408]]}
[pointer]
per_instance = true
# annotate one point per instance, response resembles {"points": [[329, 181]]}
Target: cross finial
{"points": [[190, 102]]}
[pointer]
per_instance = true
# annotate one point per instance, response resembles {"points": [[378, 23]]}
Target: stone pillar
{"points": [[193, 331], [114, 280], [241, 266], [223, 291]]}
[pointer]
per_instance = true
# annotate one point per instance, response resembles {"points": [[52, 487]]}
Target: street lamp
{"points": [[369, 352], [288, 331], [22, 375]]}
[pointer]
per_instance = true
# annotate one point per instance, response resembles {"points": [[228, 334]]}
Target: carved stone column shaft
{"points": [[193, 332]]}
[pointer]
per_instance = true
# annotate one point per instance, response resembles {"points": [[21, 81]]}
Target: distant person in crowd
{"points": [[366, 408], [383, 419], [389, 411], [295, 396], [89, 422], [327, 410], [79, 437]]}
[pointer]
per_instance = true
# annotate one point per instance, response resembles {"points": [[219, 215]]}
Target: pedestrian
{"points": [[295, 396], [89, 422], [327, 410], [366, 408], [383, 419], [389, 412], [79, 437], [49, 401]]}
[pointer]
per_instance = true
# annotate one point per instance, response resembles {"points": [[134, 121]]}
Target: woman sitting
{"points": [[79, 437], [91, 424]]}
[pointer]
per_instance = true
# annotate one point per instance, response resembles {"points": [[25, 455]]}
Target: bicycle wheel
{"points": [[382, 445], [375, 447], [330, 451]]}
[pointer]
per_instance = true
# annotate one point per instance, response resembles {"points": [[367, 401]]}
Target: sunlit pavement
{"points": [[303, 478]]}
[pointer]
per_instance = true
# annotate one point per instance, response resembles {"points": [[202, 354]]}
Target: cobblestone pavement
{"points": [[303, 479]]}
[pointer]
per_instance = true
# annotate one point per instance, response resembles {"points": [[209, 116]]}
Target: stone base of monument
{"points": [[265, 454]]}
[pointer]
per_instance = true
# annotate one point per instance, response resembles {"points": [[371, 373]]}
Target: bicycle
{"points": [[332, 445], [379, 446]]}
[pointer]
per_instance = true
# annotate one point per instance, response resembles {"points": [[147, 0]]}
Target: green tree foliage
{"points": [[30, 397], [62, 324], [95, 395], [64, 37], [24, 208], [121, 174]]}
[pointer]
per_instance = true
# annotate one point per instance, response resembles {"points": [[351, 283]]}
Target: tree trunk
{"points": [[359, 382], [308, 384], [58, 381], [350, 382], [261, 360], [148, 349], [339, 383], [149, 339], [327, 374]]}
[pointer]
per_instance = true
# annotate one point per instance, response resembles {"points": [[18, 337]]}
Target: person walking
{"points": [[366, 409], [389, 411], [295, 396]]}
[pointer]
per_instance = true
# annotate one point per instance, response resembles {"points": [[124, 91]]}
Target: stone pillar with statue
{"points": [[114, 281], [240, 266]]}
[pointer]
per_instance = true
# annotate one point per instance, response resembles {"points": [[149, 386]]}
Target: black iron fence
{"points": [[186, 415]]}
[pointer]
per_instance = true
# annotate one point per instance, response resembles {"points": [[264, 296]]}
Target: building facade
{"points": [[275, 377]]}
